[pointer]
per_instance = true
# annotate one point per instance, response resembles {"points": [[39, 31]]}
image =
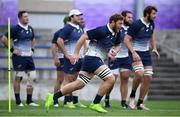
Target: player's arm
{"points": [[132, 31], [60, 43], [74, 58], [4, 41], [64, 34], [53, 50], [154, 46], [85, 47], [128, 42], [116, 48], [33, 44], [80, 43], [54, 53]]}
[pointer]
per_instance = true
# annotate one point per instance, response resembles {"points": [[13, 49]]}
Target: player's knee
{"points": [[106, 74], [124, 78], [31, 78], [139, 74], [17, 79], [19, 76], [111, 79], [148, 72], [83, 78], [79, 84], [139, 70], [148, 78], [70, 78]]}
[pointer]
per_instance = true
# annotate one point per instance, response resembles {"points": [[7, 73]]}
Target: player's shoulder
{"points": [[137, 23], [102, 29], [58, 31], [68, 27], [15, 27], [30, 27]]}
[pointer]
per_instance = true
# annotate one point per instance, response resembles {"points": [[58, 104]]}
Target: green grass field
{"points": [[158, 108]]}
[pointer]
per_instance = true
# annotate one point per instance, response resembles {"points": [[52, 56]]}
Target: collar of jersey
{"points": [[146, 24], [125, 27], [25, 27], [113, 33], [74, 25]]}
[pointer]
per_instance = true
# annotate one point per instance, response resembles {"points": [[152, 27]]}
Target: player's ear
{"points": [[113, 23]]}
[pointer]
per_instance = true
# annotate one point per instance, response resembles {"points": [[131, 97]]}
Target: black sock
{"points": [[18, 100], [56, 96], [67, 99], [139, 102], [133, 93], [107, 98], [123, 102], [97, 99], [29, 98], [75, 99]]}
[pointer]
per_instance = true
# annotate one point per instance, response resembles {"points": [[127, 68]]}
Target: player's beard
{"points": [[126, 23], [149, 19], [115, 29]]}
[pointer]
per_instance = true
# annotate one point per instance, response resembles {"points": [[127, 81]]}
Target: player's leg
{"points": [[148, 72], [75, 94], [105, 74], [31, 79], [145, 87], [16, 85], [114, 66], [139, 73], [107, 96], [18, 65], [82, 80], [68, 97], [124, 77], [58, 84], [69, 77]]}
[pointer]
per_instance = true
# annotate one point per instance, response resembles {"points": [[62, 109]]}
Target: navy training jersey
{"points": [[102, 39], [54, 41], [22, 38], [141, 33], [70, 34]]}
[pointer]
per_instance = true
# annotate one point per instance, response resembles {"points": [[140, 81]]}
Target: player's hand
{"points": [[32, 51], [113, 52], [67, 56], [136, 57], [156, 53], [111, 56], [57, 62], [74, 58], [17, 52]]}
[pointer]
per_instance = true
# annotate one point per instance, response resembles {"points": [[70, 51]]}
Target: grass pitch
{"points": [[158, 108]]}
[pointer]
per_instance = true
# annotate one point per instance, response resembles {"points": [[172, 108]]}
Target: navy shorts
{"points": [[91, 64], [61, 67], [120, 63], [70, 68], [145, 57], [23, 63]]}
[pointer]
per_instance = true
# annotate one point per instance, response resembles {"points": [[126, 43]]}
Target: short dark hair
{"points": [[149, 9], [115, 18], [66, 19], [20, 13], [125, 12]]}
